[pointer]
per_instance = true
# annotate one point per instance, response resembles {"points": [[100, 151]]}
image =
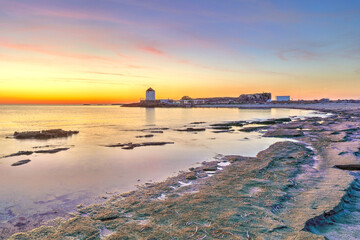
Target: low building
{"points": [[167, 101], [198, 101], [282, 98]]}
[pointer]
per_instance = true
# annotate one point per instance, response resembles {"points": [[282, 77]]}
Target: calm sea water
{"points": [[55, 183]]}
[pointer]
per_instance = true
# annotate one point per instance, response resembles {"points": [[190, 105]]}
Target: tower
{"points": [[150, 95]]}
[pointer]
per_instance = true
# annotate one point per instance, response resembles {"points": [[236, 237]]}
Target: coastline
{"points": [[137, 214]]}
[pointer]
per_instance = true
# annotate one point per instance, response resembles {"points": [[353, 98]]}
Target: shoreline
{"points": [[109, 220]]}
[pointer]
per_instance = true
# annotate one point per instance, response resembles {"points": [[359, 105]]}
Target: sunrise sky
{"points": [[110, 51]]}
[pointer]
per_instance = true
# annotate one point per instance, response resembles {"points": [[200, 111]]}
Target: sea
{"points": [[52, 185]]}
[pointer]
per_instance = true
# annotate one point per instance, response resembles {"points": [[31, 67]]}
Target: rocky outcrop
{"points": [[56, 150], [20, 153], [272, 121], [350, 167], [21, 162], [191, 129], [229, 124], [190, 176], [284, 133], [145, 136], [44, 134], [130, 145], [253, 129]]}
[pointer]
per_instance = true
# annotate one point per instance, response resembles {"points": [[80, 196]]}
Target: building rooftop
{"points": [[150, 90]]}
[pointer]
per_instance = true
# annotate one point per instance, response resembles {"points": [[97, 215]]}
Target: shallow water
{"points": [[89, 172]]}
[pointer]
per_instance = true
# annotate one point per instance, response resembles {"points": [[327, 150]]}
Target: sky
{"points": [[111, 51]]}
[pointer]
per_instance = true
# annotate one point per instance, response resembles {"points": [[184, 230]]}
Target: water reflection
{"points": [[150, 116]]}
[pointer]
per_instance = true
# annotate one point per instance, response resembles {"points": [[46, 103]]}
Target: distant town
{"points": [[186, 101]]}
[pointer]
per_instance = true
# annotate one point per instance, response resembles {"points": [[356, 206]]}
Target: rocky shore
{"points": [[288, 191]]}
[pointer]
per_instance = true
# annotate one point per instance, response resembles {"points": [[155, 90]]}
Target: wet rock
{"points": [[229, 124], [21, 162], [20, 153], [145, 136], [211, 166], [197, 122], [52, 150], [221, 127], [191, 129], [286, 133], [130, 145], [224, 131], [116, 145], [157, 131], [190, 176], [44, 134], [272, 121], [350, 167], [253, 129]]}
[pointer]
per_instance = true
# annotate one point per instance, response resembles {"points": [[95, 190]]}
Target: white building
{"points": [[167, 101], [282, 98], [150, 95]]}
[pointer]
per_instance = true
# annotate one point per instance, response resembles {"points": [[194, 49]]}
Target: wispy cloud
{"points": [[295, 54], [49, 50], [94, 81], [152, 50], [116, 74]]}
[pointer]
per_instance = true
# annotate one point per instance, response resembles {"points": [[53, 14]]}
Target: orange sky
{"points": [[63, 52]]}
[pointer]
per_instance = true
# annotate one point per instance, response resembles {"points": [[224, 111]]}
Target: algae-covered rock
{"points": [[44, 134]]}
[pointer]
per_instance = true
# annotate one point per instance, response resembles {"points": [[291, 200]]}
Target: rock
{"points": [[224, 131], [350, 167], [284, 133], [155, 130], [190, 176], [272, 121], [191, 129], [145, 136], [221, 127], [253, 129], [155, 143], [52, 150], [44, 134], [21, 162], [229, 124], [197, 122], [20, 153], [130, 145], [116, 145], [211, 166]]}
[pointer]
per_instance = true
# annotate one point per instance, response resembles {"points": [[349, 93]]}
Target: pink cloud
{"points": [[152, 50], [157, 52], [49, 50], [296, 54]]}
